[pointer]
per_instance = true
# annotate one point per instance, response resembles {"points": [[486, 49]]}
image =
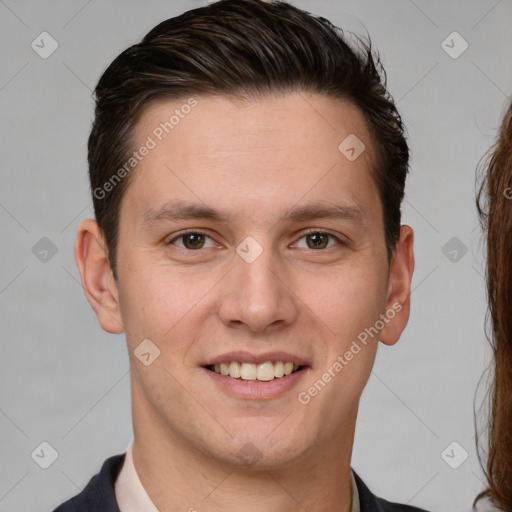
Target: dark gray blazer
{"points": [[99, 494]]}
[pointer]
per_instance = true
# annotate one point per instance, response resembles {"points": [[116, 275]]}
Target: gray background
{"points": [[66, 382]]}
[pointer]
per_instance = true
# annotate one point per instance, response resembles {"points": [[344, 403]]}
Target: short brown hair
{"points": [[242, 48]]}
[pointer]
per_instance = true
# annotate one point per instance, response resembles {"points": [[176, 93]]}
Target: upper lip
{"points": [[248, 357]]}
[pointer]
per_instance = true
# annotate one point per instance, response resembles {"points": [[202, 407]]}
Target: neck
{"points": [[178, 476]]}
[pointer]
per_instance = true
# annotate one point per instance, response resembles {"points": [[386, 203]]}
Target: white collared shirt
{"points": [[130, 494], [132, 497]]}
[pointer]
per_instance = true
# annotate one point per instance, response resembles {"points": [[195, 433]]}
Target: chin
{"points": [[259, 452]]}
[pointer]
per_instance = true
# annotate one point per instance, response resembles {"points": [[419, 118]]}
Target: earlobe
{"points": [[91, 256], [399, 288]]}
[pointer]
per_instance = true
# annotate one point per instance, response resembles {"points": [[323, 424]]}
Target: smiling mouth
{"points": [[263, 372]]}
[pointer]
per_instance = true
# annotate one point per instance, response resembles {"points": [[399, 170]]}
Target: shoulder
{"points": [[370, 503], [99, 493]]}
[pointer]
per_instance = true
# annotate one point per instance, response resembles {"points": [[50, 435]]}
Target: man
{"points": [[247, 169]]}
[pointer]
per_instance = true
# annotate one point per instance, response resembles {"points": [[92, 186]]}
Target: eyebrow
{"points": [[179, 210], [325, 211]]}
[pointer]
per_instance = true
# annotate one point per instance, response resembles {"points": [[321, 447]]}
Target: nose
{"points": [[258, 296]]}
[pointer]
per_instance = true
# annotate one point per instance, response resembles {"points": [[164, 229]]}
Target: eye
{"points": [[318, 240], [192, 240]]}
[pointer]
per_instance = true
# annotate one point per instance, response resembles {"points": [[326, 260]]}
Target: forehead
{"points": [[277, 150], [227, 123]]}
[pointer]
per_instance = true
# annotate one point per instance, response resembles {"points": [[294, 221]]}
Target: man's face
{"points": [[247, 236]]}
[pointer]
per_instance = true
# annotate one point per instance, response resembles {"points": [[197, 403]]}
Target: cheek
{"points": [[346, 301], [154, 304]]}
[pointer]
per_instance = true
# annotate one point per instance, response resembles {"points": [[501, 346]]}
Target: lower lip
{"points": [[255, 389]]}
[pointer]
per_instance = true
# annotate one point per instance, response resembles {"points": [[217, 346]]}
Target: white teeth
{"points": [[234, 369], [279, 369], [263, 372], [288, 368], [248, 371]]}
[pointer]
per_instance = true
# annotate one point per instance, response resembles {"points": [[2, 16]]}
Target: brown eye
{"points": [[193, 240], [317, 240]]}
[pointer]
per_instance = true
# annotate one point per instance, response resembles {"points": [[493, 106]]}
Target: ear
{"points": [[91, 256], [398, 300]]}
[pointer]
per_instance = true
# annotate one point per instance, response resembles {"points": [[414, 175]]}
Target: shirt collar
{"points": [[132, 497], [130, 494]]}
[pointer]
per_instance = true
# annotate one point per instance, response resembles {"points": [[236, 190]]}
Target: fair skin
{"points": [[255, 163]]}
